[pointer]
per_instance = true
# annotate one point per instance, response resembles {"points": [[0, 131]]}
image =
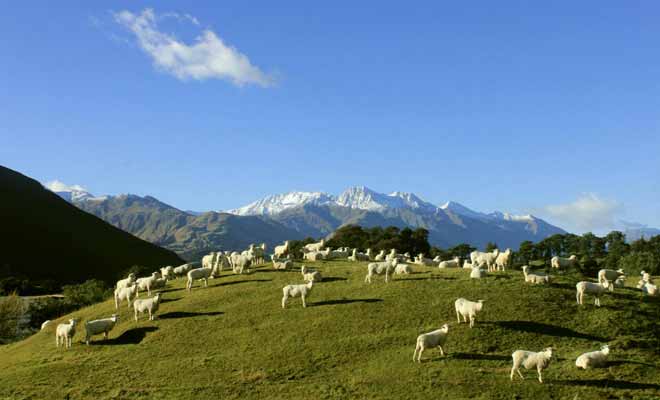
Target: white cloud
{"points": [[207, 58], [58, 186], [588, 212]]}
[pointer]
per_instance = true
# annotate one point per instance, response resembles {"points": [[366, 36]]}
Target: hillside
{"points": [[232, 340], [44, 238]]}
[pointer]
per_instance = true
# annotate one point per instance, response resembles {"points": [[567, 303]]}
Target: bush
{"points": [[90, 292], [639, 261], [12, 312]]}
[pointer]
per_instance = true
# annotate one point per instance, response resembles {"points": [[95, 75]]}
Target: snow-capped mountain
{"points": [[70, 193], [279, 202]]}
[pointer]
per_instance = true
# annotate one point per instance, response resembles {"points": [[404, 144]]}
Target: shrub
{"points": [[84, 294], [12, 313]]}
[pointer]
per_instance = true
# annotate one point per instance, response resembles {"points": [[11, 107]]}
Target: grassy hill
{"points": [[44, 238], [232, 340]]}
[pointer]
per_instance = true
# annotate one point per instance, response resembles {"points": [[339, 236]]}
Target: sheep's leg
{"points": [[303, 300], [520, 373], [206, 282], [366, 279], [540, 376], [442, 352], [458, 316], [471, 321], [136, 316], [387, 275], [284, 299], [513, 370], [57, 341], [415, 352], [116, 304], [577, 297], [598, 301], [105, 335]]}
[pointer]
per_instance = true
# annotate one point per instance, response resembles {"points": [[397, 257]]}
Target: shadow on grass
{"points": [[432, 277], [245, 281], [475, 356], [170, 300], [170, 290], [562, 285], [345, 301], [613, 363], [131, 336], [185, 314], [545, 329], [333, 279], [609, 383]]}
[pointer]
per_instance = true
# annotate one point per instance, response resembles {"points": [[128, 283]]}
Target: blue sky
{"points": [[524, 107]]}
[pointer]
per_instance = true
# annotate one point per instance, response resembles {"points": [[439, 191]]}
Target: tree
{"points": [[490, 246]]}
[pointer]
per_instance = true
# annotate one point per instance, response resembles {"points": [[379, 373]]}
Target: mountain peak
{"points": [[70, 193], [279, 202]]}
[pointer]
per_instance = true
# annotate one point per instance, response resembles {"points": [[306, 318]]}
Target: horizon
{"points": [[492, 107]]}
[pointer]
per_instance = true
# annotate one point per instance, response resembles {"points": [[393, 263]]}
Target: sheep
{"points": [[295, 291], [100, 326], [502, 260], [466, 265], [315, 246], [147, 305], [477, 273], [609, 274], [282, 264], [337, 254], [45, 324], [479, 258], [562, 262], [380, 256], [467, 308], [646, 277], [159, 283], [648, 288], [536, 278], [208, 261], [314, 256], [258, 252], [355, 257], [620, 281], [167, 272], [589, 287], [198, 274], [127, 293], [240, 262], [370, 255], [379, 268], [221, 262], [436, 338], [529, 360], [280, 251], [402, 269], [594, 359], [310, 275], [125, 282], [421, 260], [65, 332], [391, 256], [146, 283], [453, 263], [182, 270]]}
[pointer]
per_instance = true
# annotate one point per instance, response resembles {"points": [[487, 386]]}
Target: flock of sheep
{"points": [[383, 263]]}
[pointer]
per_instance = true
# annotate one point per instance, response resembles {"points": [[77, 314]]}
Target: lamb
{"points": [[589, 287], [315, 246], [282, 250], [167, 272], [402, 269], [529, 360], [182, 270], [594, 359], [648, 288], [295, 291], [477, 273], [240, 262], [379, 268], [502, 260], [436, 338], [355, 257], [610, 275], [453, 263], [65, 332], [380, 256], [562, 262], [126, 282], [100, 326], [147, 283], [198, 274], [536, 278], [310, 275], [282, 264], [45, 324], [421, 260], [147, 305], [126, 293], [467, 308], [479, 258]]}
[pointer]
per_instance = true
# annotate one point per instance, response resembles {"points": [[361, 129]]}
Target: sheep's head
{"points": [[548, 352], [620, 270], [525, 268], [131, 276], [457, 259], [115, 317], [572, 257], [445, 328], [605, 349]]}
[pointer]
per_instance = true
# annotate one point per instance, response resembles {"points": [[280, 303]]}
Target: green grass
{"points": [[232, 340]]}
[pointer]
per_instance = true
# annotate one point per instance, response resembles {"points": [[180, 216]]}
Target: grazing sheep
{"points": [[98, 326], [403, 269], [609, 274], [208, 261], [502, 260], [338, 254], [529, 360], [379, 268], [646, 277], [648, 288], [421, 260], [282, 250], [536, 278], [167, 272], [314, 256], [182, 270], [126, 293], [589, 287], [310, 275], [65, 332], [562, 262], [467, 264], [480, 259], [159, 283], [282, 264], [295, 291], [467, 309], [437, 259], [355, 257], [594, 359], [147, 283], [391, 256], [620, 281], [198, 274], [258, 252], [315, 246], [370, 255], [147, 305], [240, 263], [45, 324], [477, 273], [453, 263], [380, 256], [221, 262], [126, 282], [436, 338]]}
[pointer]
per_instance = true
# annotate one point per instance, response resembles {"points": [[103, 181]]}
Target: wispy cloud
{"points": [[589, 212], [59, 186], [208, 57]]}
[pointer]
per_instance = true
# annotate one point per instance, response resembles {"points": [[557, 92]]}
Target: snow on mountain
{"points": [[277, 203], [457, 208], [70, 193]]}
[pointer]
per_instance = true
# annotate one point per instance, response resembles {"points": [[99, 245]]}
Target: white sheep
{"points": [[436, 338], [198, 274], [282, 264], [589, 287], [467, 265], [480, 259], [403, 269], [315, 246], [380, 256], [355, 256], [126, 293], [535, 277], [221, 262], [529, 360], [258, 252], [45, 324], [421, 260], [301, 291], [167, 272], [646, 277], [502, 260], [379, 268], [477, 273], [98, 326], [370, 254], [147, 283], [126, 282], [182, 270], [240, 263], [65, 332], [282, 250], [620, 281], [147, 305], [310, 275], [609, 274], [563, 262], [314, 256], [453, 263], [594, 359], [647, 288], [338, 254], [392, 255], [208, 261], [467, 309]]}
